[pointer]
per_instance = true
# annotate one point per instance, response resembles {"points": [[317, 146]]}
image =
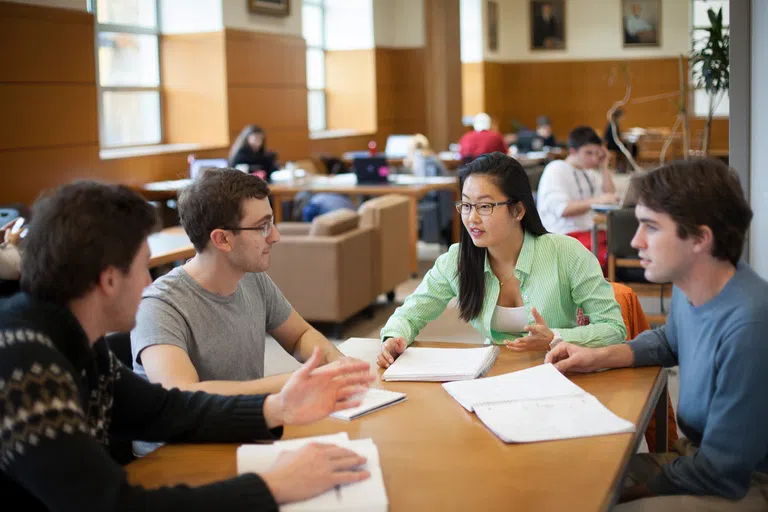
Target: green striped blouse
{"points": [[557, 275]]}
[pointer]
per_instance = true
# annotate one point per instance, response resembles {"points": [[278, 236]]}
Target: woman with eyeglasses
{"points": [[515, 283]]}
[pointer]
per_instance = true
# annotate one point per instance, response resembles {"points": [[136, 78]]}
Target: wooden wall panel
{"points": [[266, 85], [46, 45], [571, 93], [159, 167], [350, 86], [48, 114], [27, 172], [472, 88], [193, 75], [49, 133]]}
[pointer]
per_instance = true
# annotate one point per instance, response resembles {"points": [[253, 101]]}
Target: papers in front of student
{"points": [[373, 400], [536, 404], [368, 495], [549, 419], [441, 364], [529, 384]]}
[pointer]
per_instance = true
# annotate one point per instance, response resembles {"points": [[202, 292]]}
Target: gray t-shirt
{"points": [[223, 336]]}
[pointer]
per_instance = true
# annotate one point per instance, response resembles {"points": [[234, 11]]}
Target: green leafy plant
{"points": [[710, 66]]}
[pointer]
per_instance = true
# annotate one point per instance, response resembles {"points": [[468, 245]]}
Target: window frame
{"points": [[692, 82], [100, 90], [322, 48]]}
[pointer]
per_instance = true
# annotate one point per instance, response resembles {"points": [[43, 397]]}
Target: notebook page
{"points": [[565, 417], [368, 495], [541, 381], [441, 364], [365, 349], [373, 400]]}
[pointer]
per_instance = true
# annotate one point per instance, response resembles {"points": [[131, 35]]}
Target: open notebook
{"points": [[374, 400], [366, 496], [442, 364], [536, 404]]}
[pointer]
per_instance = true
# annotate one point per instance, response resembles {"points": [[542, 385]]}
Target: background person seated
{"points": [[482, 140], [544, 132], [568, 188], [250, 148]]}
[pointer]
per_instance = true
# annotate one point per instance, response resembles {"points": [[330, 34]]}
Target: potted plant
{"points": [[710, 66]]}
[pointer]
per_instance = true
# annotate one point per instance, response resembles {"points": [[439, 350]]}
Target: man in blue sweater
{"points": [[693, 220]]}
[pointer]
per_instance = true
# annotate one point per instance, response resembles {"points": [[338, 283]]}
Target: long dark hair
{"points": [[242, 140], [507, 174]]}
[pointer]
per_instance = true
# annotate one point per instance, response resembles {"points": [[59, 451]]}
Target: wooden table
{"points": [[413, 188], [169, 245], [437, 456]]}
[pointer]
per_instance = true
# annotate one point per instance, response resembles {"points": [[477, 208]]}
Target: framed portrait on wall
{"points": [[641, 20], [547, 24], [493, 26], [270, 7]]}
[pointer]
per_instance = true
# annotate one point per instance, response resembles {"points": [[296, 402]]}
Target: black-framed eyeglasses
{"points": [[266, 229], [483, 209]]}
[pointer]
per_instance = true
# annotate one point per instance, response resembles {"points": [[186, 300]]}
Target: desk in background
{"points": [[414, 188], [169, 245], [437, 456]]}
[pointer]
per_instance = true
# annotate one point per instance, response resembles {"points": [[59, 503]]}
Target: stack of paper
{"points": [[536, 404], [442, 364], [368, 495], [374, 400]]}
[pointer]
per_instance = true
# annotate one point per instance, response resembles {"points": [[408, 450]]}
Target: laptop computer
{"points": [[371, 170], [626, 200], [397, 146]]}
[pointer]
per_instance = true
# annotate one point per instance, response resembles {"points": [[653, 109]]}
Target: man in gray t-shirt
{"points": [[215, 331], [202, 327]]}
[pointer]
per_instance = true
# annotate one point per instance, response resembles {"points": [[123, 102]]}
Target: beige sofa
{"points": [[337, 265], [324, 268]]}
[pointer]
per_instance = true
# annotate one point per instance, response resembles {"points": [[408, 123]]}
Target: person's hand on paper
{"points": [[391, 350], [538, 339], [573, 358], [310, 395], [316, 468]]}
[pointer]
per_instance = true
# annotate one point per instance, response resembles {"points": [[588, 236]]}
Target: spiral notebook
{"points": [[536, 404], [374, 400], [369, 495], [441, 364]]}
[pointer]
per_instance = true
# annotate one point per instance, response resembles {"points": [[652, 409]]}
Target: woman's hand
{"points": [[538, 339]]}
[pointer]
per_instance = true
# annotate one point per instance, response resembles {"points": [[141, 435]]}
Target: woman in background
{"points": [[515, 283], [250, 148], [421, 160]]}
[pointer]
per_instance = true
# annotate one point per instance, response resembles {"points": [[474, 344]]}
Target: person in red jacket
{"points": [[482, 140]]}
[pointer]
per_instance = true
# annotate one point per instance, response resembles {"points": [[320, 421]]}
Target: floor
{"points": [[447, 327]]}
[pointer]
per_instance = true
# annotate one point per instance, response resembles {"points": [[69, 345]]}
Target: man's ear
{"points": [[222, 239], [703, 240], [108, 280]]}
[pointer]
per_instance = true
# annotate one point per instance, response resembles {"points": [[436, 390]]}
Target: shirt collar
{"points": [[524, 260]]}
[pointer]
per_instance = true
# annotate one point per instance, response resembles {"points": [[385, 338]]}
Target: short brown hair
{"points": [[701, 192], [215, 200], [76, 233]]}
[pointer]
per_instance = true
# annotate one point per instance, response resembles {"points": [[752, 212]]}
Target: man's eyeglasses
{"points": [[266, 229], [483, 209]]}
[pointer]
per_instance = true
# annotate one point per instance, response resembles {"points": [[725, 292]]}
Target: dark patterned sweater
{"points": [[62, 400]]}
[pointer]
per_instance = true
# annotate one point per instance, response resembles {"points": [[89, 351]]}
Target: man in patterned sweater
{"points": [[64, 395]]}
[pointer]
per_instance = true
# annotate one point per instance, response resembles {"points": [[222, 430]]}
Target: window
{"points": [[128, 70], [313, 29], [701, 21]]}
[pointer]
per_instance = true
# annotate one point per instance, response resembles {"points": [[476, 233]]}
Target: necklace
{"points": [[501, 283]]}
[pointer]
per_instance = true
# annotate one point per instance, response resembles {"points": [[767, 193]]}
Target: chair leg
{"points": [[391, 296]]}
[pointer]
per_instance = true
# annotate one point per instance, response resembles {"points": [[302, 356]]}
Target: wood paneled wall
{"points": [[193, 74], [49, 132], [571, 93], [351, 90], [401, 103], [472, 88], [266, 85]]}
